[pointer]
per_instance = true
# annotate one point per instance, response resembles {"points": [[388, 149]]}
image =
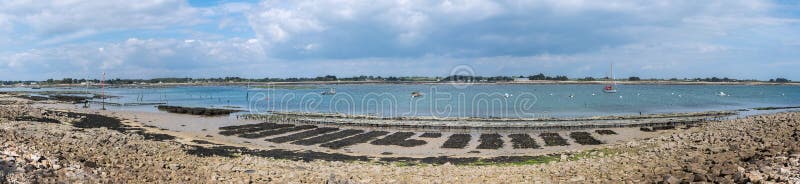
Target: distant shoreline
{"points": [[533, 82]]}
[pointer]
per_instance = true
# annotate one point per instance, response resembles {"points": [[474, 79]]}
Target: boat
{"points": [[722, 94], [331, 91], [611, 88], [416, 94]]}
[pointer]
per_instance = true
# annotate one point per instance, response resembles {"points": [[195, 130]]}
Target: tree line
{"points": [[452, 78]]}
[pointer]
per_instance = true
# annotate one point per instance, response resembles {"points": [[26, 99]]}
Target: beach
{"points": [[56, 141]]}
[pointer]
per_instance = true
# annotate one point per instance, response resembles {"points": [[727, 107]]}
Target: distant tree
{"points": [[540, 76], [634, 79], [673, 79], [781, 80], [588, 79]]}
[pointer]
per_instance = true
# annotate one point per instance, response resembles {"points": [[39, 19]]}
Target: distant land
{"points": [[331, 79]]}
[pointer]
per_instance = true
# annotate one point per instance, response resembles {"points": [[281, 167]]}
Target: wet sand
{"points": [[192, 127]]}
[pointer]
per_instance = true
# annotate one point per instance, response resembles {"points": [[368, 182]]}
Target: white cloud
{"points": [[132, 57], [59, 21], [404, 37], [470, 28]]}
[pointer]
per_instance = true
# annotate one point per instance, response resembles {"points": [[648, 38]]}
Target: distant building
{"points": [[521, 79]]}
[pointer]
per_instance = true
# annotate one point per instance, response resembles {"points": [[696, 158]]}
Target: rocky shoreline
{"points": [[49, 146]]}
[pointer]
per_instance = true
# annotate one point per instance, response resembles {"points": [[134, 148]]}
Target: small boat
{"points": [[611, 88], [507, 95], [331, 91], [416, 94], [722, 94]]}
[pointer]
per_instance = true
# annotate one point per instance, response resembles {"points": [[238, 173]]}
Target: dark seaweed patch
{"points": [[33, 98], [665, 127], [253, 129], [98, 121], [302, 135], [328, 137], [279, 131], [155, 136], [490, 141], [458, 141], [399, 139], [431, 135], [523, 141], [232, 127], [71, 99], [231, 151], [36, 119], [553, 139], [196, 110], [584, 138], [605, 132], [357, 139], [204, 142]]}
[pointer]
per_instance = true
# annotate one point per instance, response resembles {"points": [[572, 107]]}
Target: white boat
{"points": [[331, 91], [611, 88], [416, 94], [722, 94]]}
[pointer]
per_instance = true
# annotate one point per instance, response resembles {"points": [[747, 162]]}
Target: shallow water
{"points": [[479, 100]]}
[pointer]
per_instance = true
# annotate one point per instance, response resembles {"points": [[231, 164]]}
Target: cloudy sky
{"points": [[754, 39]]}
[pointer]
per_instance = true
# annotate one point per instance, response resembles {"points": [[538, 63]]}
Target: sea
{"points": [[451, 100]]}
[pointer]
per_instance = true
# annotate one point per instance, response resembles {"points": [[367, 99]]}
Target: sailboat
{"points": [[611, 88]]}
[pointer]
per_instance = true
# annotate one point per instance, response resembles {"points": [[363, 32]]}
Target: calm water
{"points": [[474, 100]]}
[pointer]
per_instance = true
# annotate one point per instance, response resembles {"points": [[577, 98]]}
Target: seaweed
{"points": [[357, 139], [490, 141], [302, 135], [431, 135], [458, 141], [523, 141], [328, 137], [605, 132], [584, 138], [400, 139], [553, 139], [279, 131]]}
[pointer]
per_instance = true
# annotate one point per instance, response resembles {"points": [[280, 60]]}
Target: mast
{"points": [[612, 75]]}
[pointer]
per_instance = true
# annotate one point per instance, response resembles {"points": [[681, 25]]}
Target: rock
{"points": [[671, 179], [174, 166], [577, 179], [754, 176]]}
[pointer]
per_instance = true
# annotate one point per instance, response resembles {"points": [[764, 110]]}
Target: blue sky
{"points": [[752, 39]]}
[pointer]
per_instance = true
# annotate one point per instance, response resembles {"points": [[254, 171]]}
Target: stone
{"points": [[671, 179], [174, 166]]}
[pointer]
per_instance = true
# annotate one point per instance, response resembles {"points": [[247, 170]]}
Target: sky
{"points": [[746, 39]]}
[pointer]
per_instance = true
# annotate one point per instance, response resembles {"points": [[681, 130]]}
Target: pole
{"points": [[103, 91]]}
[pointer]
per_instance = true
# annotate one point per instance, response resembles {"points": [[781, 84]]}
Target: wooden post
{"points": [[103, 91]]}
